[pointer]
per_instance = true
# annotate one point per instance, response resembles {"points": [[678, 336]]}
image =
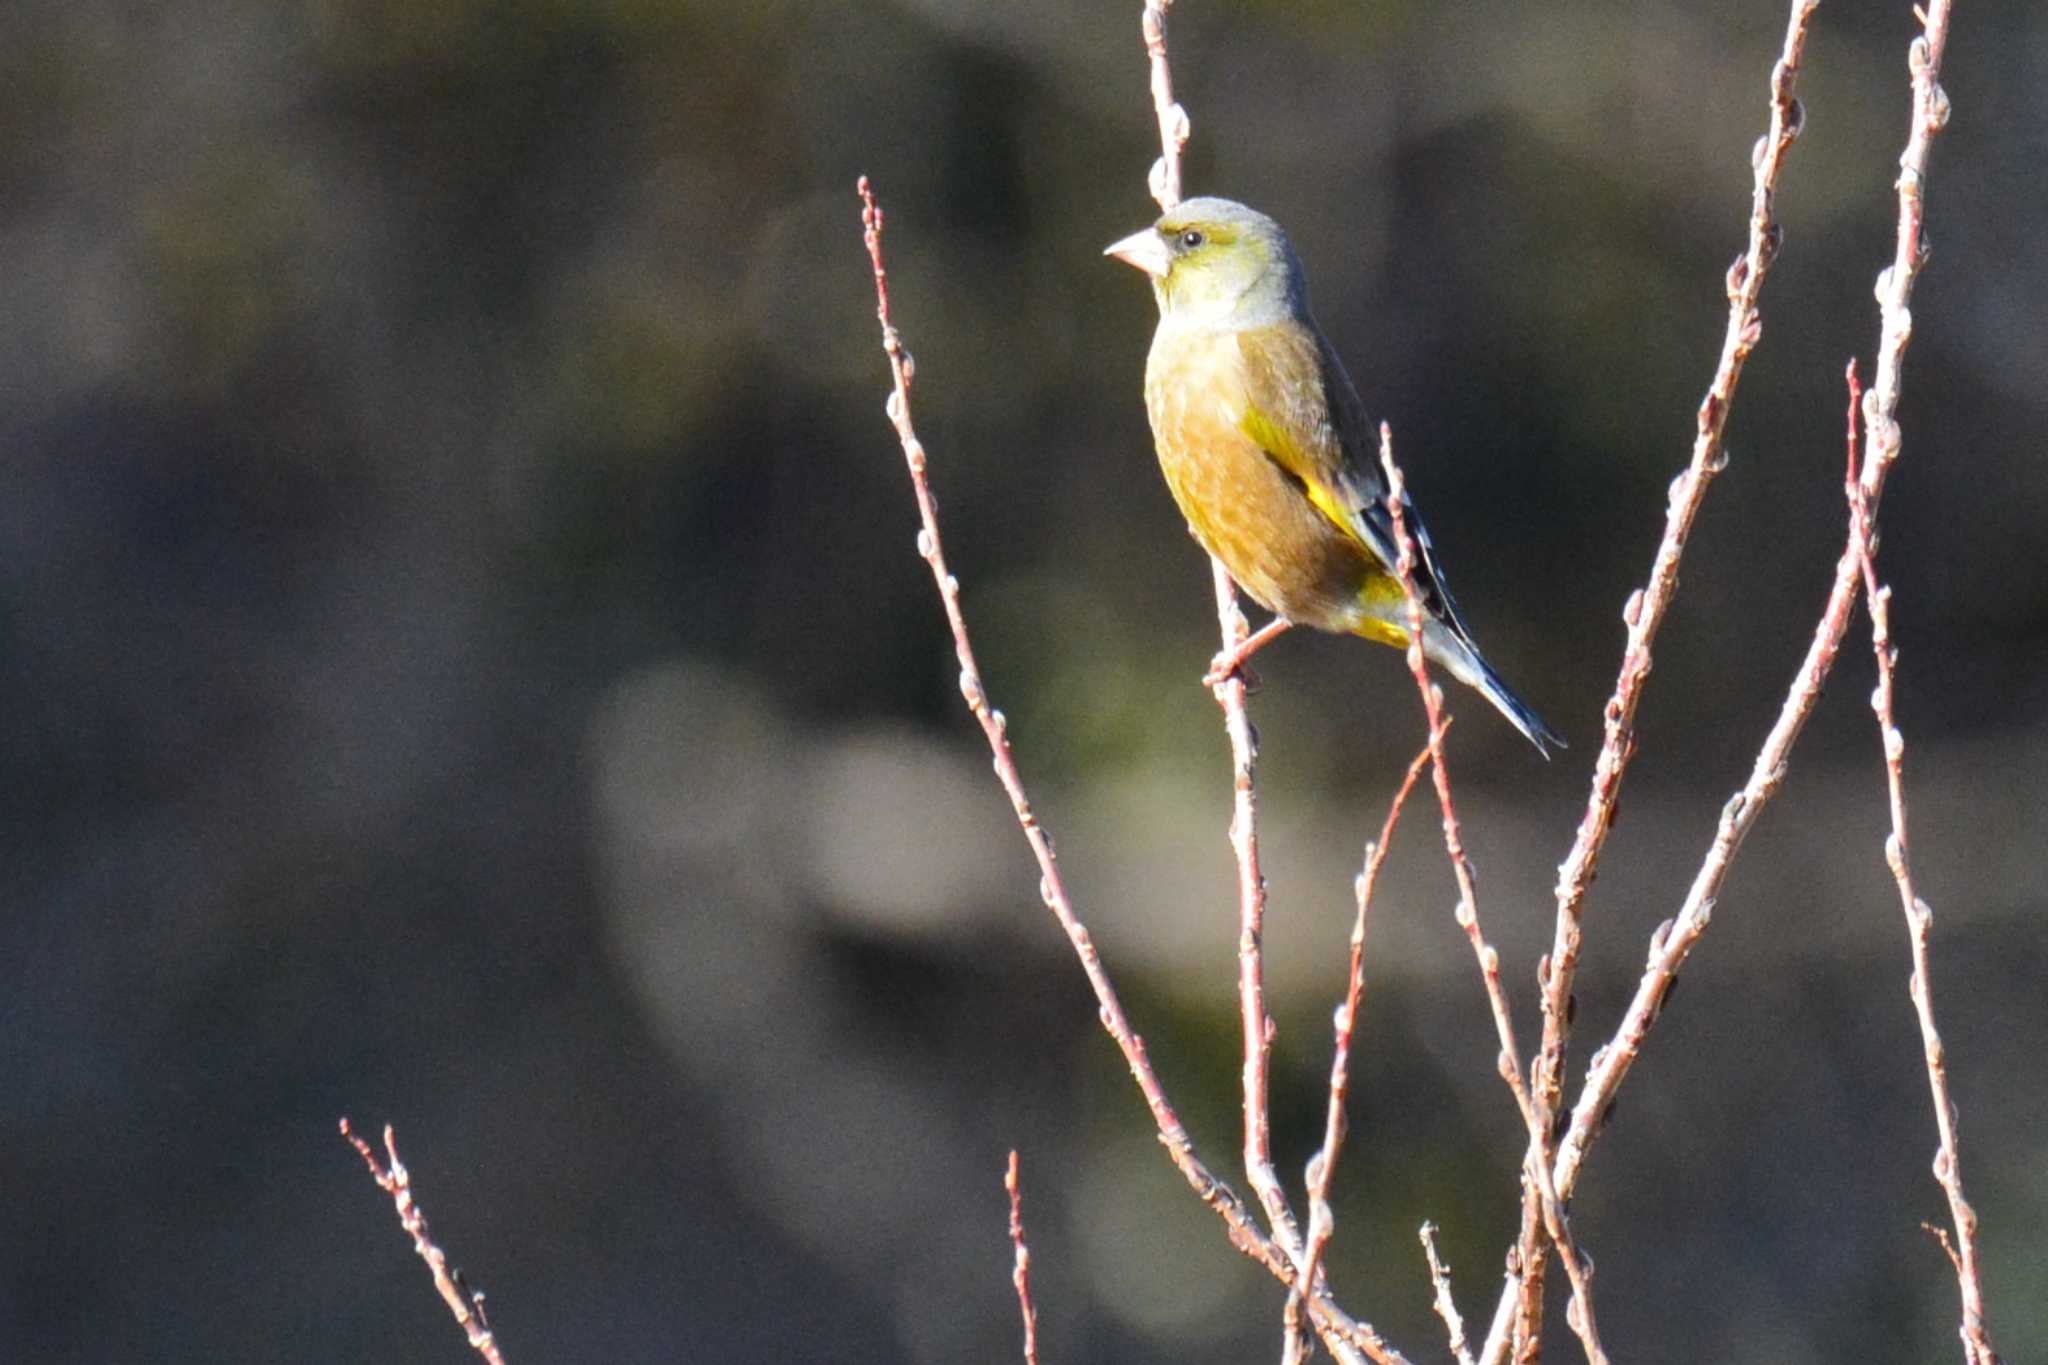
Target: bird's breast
{"points": [[1243, 506]]}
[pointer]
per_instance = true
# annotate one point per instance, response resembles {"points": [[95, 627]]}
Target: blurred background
{"points": [[466, 666]]}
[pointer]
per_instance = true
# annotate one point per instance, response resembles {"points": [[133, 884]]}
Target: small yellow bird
{"points": [[1269, 453]]}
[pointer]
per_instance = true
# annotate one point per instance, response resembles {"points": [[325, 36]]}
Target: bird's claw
{"points": [[1224, 667], [1232, 661]]}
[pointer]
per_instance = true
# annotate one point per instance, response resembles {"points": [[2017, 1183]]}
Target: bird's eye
{"points": [[1191, 239]]}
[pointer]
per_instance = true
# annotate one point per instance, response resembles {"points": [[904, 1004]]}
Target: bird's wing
{"points": [[1297, 412], [1317, 430]]}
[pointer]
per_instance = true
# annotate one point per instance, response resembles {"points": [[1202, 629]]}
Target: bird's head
{"points": [[1214, 262]]}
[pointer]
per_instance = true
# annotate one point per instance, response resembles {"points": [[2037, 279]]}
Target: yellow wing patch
{"points": [[1277, 441], [1386, 608], [1381, 632]]}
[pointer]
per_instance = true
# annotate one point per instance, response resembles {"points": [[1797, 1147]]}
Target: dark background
{"points": [[465, 665]]}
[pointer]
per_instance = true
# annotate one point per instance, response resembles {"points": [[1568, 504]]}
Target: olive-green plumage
{"points": [[1268, 450]]}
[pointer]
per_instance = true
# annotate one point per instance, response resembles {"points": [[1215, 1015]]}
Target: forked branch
{"points": [[1347, 1338], [1577, 1268], [1644, 614], [463, 1300]]}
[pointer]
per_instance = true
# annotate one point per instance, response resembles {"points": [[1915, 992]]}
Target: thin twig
{"points": [[1446, 1307], [1347, 1337], [1467, 909], [1948, 1248], [1644, 614], [1173, 120], [1020, 1273], [1675, 938], [1322, 1167], [1577, 1268], [464, 1301], [1974, 1330]]}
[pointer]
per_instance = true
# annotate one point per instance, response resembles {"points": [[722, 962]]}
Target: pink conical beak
{"points": [[1145, 249]]}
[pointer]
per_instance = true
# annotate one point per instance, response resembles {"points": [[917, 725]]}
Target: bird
{"points": [[1266, 448]]}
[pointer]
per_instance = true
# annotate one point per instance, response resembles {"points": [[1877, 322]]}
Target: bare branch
{"points": [[1322, 1168], [1577, 1268], [1895, 283], [465, 1302], [1646, 609], [1173, 120], [1467, 909], [1644, 614], [1020, 1274], [1446, 1308], [1948, 1172], [1675, 938], [1347, 1337]]}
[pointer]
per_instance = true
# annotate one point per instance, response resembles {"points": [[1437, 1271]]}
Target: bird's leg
{"points": [[1233, 660]]}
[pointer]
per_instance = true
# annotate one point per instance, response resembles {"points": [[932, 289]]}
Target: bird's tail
{"points": [[1457, 653]]}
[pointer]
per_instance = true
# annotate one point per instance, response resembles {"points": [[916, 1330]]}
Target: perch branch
{"points": [[1229, 691], [1347, 1337]]}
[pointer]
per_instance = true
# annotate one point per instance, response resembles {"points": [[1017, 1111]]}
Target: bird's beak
{"points": [[1145, 249]]}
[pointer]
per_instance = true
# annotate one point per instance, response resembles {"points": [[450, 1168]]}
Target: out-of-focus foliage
{"points": [[465, 664]]}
